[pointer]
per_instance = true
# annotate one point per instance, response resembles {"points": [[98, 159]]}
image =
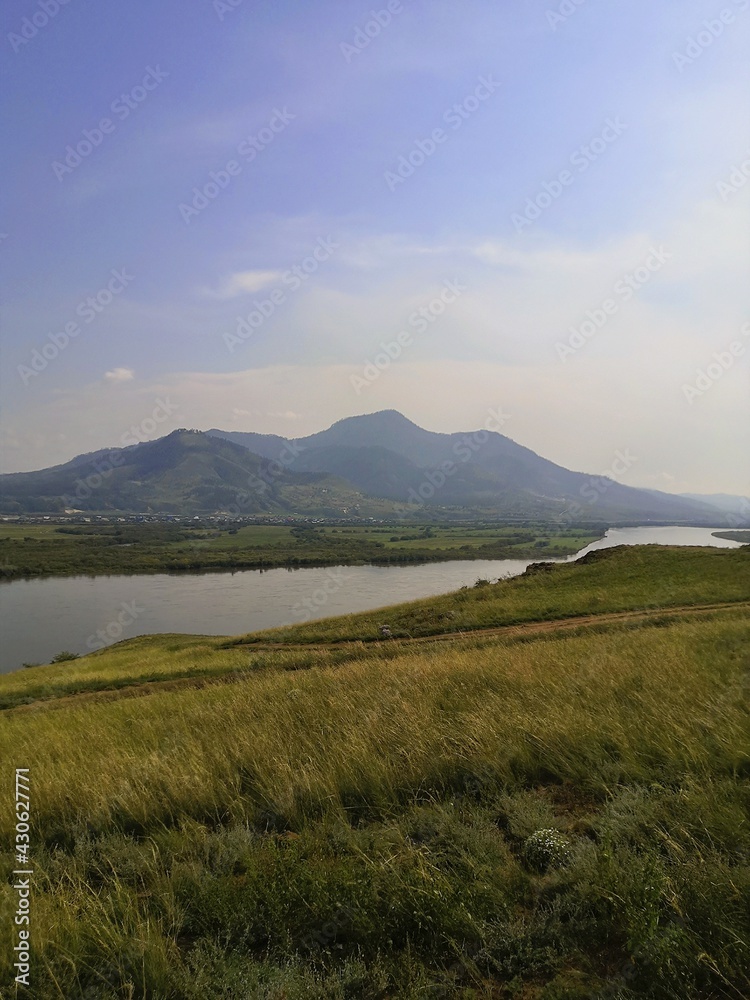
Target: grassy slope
{"points": [[734, 536], [358, 829], [614, 580]]}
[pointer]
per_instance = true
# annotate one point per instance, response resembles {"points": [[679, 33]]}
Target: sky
{"points": [[269, 215]]}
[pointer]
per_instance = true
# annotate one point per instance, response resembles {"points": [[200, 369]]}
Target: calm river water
{"points": [[42, 617]]}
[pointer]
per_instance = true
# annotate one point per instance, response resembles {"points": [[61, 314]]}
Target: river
{"points": [[41, 617]]}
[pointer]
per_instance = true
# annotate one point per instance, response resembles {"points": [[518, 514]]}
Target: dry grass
{"points": [[357, 829]]}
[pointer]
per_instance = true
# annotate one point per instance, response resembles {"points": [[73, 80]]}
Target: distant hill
{"points": [[384, 454], [378, 465], [186, 472], [724, 502]]}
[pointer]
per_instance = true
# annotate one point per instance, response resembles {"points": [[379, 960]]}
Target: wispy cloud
{"points": [[243, 283], [120, 375]]}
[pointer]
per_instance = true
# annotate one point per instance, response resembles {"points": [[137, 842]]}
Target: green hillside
{"points": [[185, 472], [541, 794]]}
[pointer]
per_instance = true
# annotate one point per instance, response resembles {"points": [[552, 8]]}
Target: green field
{"points": [[28, 550], [538, 790]]}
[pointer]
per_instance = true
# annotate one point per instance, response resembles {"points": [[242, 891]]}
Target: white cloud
{"points": [[244, 283], [120, 375]]}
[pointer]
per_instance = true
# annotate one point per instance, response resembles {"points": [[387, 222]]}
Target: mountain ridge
{"points": [[380, 464], [505, 469]]}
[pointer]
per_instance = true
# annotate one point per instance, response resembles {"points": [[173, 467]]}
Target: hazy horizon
{"points": [[272, 217], [612, 472]]}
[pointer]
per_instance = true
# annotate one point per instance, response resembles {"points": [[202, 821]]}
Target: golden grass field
{"points": [[311, 812]]}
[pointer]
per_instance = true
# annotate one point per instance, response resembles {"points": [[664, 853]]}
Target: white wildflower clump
{"points": [[547, 849]]}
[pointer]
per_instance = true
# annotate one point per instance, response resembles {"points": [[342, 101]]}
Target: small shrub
{"points": [[546, 849], [64, 656]]}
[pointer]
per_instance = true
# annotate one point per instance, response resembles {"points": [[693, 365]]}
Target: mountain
{"points": [[266, 445], [724, 502], [186, 472], [386, 455], [378, 465]]}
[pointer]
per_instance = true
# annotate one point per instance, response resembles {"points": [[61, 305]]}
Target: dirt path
{"points": [[523, 628], [141, 689]]}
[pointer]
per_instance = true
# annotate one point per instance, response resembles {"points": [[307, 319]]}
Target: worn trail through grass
{"points": [[529, 631]]}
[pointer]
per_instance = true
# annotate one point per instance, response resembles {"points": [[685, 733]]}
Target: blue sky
{"points": [[316, 125]]}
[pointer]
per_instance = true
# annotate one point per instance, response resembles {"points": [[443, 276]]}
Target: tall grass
{"points": [[358, 830]]}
